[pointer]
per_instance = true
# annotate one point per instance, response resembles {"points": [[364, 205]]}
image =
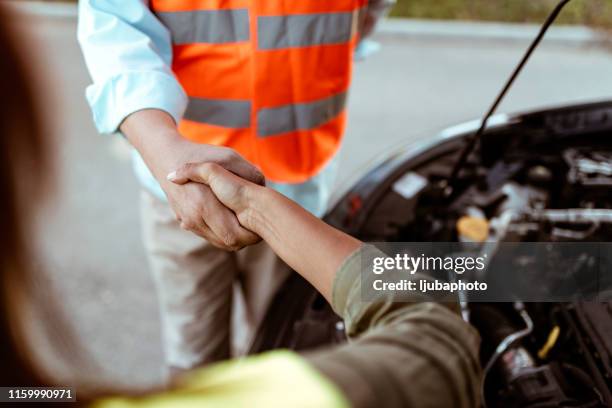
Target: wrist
{"points": [[159, 143], [162, 150], [155, 135], [163, 155], [259, 201]]}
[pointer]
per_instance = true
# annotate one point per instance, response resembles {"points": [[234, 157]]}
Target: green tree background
{"points": [[588, 12], [597, 13]]}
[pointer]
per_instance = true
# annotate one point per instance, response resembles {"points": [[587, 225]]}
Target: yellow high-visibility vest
{"points": [[275, 379]]}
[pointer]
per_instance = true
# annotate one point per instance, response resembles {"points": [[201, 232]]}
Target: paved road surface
{"points": [[89, 233]]}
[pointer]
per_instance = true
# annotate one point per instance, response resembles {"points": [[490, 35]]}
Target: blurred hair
{"points": [[22, 164], [24, 174]]}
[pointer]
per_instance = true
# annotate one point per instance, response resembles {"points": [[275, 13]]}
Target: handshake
{"points": [[215, 199], [209, 187]]}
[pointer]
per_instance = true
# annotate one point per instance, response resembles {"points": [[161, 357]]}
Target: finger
{"points": [[224, 224], [197, 172], [234, 164], [244, 169], [229, 189], [241, 239], [210, 174], [202, 230]]}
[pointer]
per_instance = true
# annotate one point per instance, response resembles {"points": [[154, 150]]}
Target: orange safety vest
{"points": [[268, 78]]}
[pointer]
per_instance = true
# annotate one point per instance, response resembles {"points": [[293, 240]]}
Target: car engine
{"points": [[541, 177]]}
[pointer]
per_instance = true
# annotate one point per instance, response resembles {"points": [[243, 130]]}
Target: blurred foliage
{"points": [[596, 13]]}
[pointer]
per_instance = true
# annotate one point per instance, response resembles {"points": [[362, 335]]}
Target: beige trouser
{"points": [[203, 291]]}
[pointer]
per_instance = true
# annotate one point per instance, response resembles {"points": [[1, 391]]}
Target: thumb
{"points": [[196, 172], [228, 188]]}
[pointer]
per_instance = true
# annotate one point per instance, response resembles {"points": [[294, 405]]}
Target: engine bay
{"points": [[545, 177]]}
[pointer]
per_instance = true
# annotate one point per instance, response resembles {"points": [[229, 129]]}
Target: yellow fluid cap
{"points": [[473, 228]]}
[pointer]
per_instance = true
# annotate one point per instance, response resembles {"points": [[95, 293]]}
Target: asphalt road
{"points": [[88, 232]]}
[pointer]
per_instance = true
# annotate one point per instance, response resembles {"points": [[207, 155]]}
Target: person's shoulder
{"points": [[275, 379]]}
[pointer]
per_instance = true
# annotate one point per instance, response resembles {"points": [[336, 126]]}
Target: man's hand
{"points": [[155, 136]]}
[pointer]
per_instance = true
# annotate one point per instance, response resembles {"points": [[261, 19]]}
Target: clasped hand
{"points": [[233, 192]]}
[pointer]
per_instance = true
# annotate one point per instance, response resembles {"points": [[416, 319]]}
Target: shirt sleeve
{"points": [[128, 53], [400, 354], [372, 13]]}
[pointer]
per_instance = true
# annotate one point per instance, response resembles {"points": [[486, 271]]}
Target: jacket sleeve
{"points": [[418, 354], [128, 52]]}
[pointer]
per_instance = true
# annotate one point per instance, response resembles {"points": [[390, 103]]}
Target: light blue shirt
{"points": [[128, 52]]}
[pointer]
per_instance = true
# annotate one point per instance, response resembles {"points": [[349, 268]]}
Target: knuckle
{"points": [[245, 217], [241, 193], [185, 168], [215, 168], [209, 167], [234, 248], [212, 169], [188, 225], [205, 211], [231, 240]]}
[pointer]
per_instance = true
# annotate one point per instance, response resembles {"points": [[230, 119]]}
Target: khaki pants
{"points": [[204, 291]]}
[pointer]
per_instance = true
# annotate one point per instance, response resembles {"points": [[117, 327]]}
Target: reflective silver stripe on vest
{"points": [[299, 116], [207, 26], [219, 112], [274, 32]]}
